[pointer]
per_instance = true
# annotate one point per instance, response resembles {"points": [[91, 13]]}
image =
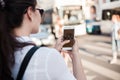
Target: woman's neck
{"points": [[22, 31]]}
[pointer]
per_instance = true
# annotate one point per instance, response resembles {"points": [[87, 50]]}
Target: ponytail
{"points": [[8, 43], [7, 47]]}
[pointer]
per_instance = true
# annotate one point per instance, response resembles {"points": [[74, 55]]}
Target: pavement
{"points": [[96, 52]]}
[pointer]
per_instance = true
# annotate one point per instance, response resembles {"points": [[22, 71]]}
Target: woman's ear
{"points": [[30, 13]]}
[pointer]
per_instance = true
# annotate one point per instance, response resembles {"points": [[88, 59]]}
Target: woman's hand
{"points": [[75, 47], [74, 51], [78, 70], [59, 43]]}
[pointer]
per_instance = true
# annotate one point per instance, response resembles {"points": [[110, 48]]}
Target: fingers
{"points": [[65, 42], [76, 42], [60, 39], [75, 46], [59, 44]]}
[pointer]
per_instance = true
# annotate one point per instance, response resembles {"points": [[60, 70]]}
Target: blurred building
{"points": [[100, 6], [46, 4], [106, 9], [109, 5]]}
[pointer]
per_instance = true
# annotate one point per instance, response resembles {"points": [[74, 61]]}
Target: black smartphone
{"points": [[68, 35]]}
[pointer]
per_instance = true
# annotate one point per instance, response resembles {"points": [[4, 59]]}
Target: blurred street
{"points": [[87, 17], [95, 24], [96, 52]]}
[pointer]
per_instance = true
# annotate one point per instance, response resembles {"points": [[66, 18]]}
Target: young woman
{"points": [[115, 37], [18, 19]]}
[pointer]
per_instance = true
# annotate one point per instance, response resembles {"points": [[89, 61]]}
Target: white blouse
{"points": [[45, 64], [116, 27]]}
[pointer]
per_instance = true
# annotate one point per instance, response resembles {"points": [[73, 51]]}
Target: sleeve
{"points": [[57, 69]]}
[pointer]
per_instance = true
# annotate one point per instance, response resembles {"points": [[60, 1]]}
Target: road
{"points": [[96, 52]]}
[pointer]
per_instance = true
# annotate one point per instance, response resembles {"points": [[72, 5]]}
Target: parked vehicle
{"points": [[93, 27], [68, 13]]}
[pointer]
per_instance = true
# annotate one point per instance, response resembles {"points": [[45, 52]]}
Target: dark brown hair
{"points": [[11, 17]]}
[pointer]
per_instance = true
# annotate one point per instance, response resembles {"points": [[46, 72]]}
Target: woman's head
{"points": [[14, 16], [20, 12], [115, 18], [93, 9]]}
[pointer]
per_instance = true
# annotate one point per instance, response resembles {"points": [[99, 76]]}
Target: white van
{"points": [[68, 13]]}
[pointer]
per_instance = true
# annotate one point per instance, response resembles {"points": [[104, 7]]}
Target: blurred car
{"points": [[44, 36], [93, 27]]}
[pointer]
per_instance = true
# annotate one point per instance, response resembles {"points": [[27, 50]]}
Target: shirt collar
{"points": [[24, 39]]}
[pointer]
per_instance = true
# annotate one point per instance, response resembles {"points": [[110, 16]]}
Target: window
{"points": [[114, 0]]}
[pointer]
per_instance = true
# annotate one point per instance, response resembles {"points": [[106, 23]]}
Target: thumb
{"points": [[65, 42]]}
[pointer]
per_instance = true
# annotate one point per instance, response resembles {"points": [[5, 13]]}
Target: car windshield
{"points": [[72, 16]]}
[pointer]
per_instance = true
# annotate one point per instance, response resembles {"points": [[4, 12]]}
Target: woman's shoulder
{"points": [[48, 54], [46, 50], [41, 51], [41, 48]]}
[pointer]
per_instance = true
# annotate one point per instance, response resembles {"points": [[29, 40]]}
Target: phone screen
{"points": [[69, 35]]}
